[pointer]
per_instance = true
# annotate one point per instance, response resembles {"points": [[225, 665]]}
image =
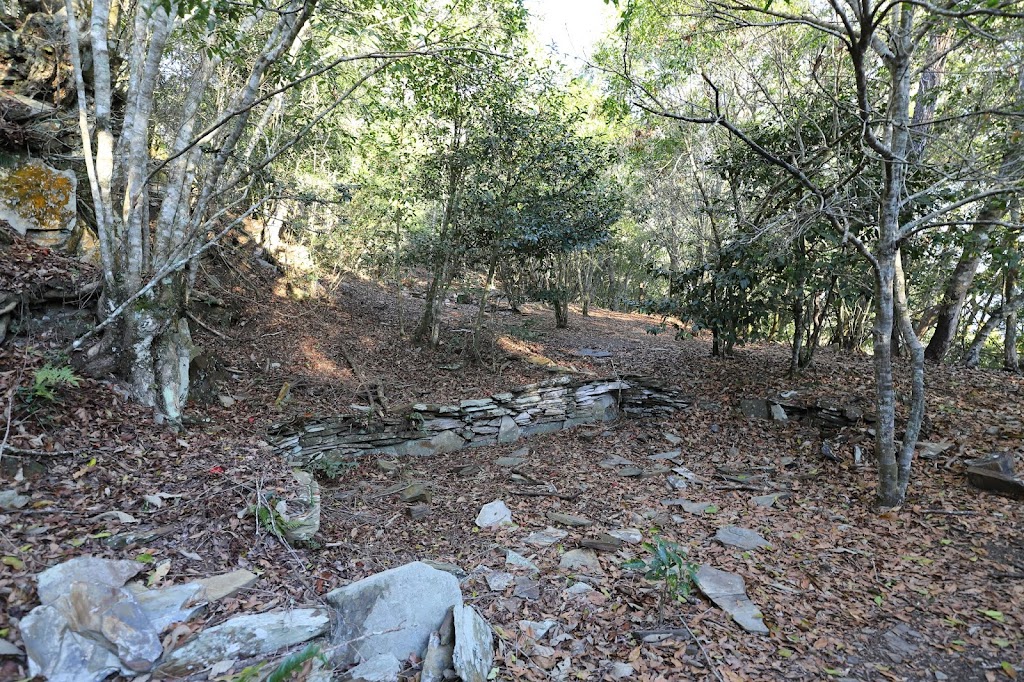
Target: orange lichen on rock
{"points": [[39, 194]]}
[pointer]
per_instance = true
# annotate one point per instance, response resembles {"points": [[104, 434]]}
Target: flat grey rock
{"points": [[688, 506], [499, 580], [743, 538], [615, 461], [218, 587], [630, 535], [677, 482], [474, 648], [391, 612], [8, 649], [446, 567], [728, 591], [172, 604], [631, 472], [59, 655], [12, 499], [546, 537], [672, 438], [536, 630], [259, 634], [569, 520], [56, 581], [513, 558], [583, 561], [576, 589], [662, 456], [621, 671], [770, 499], [509, 461], [494, 514], [380, 668], [755, 409], [779, 413], [526, 588]]}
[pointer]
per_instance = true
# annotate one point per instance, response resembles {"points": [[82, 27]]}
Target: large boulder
{"points": [[392, 612]]}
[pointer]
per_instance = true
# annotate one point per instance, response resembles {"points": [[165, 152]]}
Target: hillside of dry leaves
{"points": [[933, 590]]}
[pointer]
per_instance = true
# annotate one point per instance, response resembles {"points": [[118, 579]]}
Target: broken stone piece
{"points": [[728, 591], [499, 580], [258, 634], [996, 482], [526, 588], [494, 514], [630, 535], [569, 520], [474, 648], [546, 537], [743, 538], [417, 492], [770, 499], [380, 668], [12, 499], [688, 506], [582, 561], [513, 558], [56, 581], [604, 542], [218, 587]]}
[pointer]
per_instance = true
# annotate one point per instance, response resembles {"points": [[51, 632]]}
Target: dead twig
{"points": [[11, 451], [208, 328], [947, 512], [544, 493]]}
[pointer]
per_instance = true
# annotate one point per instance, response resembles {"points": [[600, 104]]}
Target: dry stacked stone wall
{"points": [[430, 428]]}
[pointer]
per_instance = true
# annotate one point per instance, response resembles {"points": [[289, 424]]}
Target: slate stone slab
{"points": [[670, 455], [631, 535], [228, 584], [569, 520], [779, 413], [743, 538], [770, 499], [582, 561], [729, 592], [259, 634], [509, 461], [499, 580], [996, 482], [688, 506], [755, 409], [381, 668], [404, 604], [56, 581], [615, 461], [526, 588], [513, 558], [474, 648], [546, 537]]}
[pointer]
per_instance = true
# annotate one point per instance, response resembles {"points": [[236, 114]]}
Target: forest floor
{"points": [[933, 590]]}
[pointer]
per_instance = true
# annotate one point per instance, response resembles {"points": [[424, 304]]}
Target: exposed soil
{"points": [[933, 590]]}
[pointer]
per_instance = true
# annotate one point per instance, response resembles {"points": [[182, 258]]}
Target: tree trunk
{"points": [[483, 302], [951, 306]]}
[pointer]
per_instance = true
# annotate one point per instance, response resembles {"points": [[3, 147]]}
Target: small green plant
{"points": [[285, 670], [668, 565], [47, 380]]}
